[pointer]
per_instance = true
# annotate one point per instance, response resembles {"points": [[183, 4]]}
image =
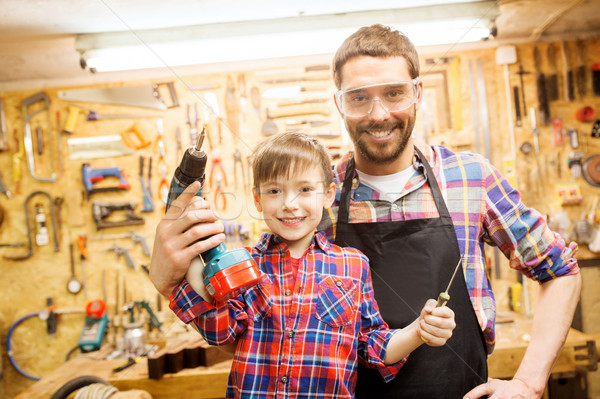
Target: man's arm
{"points": [[180, 237], [552, 319]]}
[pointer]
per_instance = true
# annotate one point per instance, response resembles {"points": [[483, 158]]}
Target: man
{"points": [[413, 209]]}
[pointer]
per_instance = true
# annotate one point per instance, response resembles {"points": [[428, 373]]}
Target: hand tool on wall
{"points": [[3, 189], [255, 99], [3, 130], [558, 136], [243, 96], [298, 111], [474, 108], [517, 106], [17, 159], [132, 96], [74, 111], [122, 251], [39, 140], [552, 78], [108, 146], [591, 170], [94, 329], [34, 101], [73, 285], [29, 252], [569, 75], [290, 91], [41, 230], [220, 198], [146, 190], [192, 123], [137, 238], [226, 273], [217, 163], [444, 297], [231, 110], [581, 71], [90, 176], [134, 139], [540, 80], [238, 164], [81, 243], [505, 56], [596, 79], [102, 210], [212, 102]]}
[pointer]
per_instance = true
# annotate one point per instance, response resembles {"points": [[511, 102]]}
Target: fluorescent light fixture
{"points": [[278, 38]]}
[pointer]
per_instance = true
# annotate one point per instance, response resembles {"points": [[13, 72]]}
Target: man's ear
{"points": [[256, 197], [329, 196], [420, 95]]}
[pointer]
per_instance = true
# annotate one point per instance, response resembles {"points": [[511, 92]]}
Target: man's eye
{"points": [[358, 98]]}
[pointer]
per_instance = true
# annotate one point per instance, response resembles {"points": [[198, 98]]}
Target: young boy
{"points": [[301, 331]]}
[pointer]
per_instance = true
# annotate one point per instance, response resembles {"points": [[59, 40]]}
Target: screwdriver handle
{"points": [[442, 300]]}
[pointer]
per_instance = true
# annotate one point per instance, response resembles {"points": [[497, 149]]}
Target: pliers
{"points": [[217, 163], [218, 195], [237, 160]]}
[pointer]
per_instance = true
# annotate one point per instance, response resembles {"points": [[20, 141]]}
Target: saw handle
{"points": [[172, 93]]}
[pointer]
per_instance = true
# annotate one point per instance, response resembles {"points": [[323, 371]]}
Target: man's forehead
{"points": [[366, 70]]}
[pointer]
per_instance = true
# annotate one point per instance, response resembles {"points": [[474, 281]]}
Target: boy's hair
{"points": [[288, 153], [375, 41]]}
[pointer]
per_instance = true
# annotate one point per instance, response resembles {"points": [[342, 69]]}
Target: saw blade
{"points": [[134, 96]]}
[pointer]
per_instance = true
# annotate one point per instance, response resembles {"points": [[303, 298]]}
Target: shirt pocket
{"points": [[336, 303], [260, 299]]}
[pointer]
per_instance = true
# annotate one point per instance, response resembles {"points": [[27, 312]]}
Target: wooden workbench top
{"points": [[578, 355]]}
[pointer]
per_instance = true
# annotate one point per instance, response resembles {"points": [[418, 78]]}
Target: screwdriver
{"points": [[444, 297]]}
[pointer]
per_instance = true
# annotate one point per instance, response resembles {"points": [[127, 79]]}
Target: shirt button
{"points": [[395, 208], [338, 283], [291, 334], [288, 292], [284, 379]]}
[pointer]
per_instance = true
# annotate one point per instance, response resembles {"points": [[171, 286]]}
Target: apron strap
{"points": [[344, 206]]}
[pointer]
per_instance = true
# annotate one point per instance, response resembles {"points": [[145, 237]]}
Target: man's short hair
{"points": [[286, 154], [376, 41]]}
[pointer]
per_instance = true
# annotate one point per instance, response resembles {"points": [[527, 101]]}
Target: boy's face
{"points": [[293, 207]]}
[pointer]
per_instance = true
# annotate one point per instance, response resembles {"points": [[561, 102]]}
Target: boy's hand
{"points": [[435, 324], [181, 236]]}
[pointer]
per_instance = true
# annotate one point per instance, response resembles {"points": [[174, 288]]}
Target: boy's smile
{"points": [[292, 207]]}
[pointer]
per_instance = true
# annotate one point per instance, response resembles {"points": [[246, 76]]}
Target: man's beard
{"points": [[383, 153]]}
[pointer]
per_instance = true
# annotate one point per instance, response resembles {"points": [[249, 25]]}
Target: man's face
{"points": [[380, 136]]}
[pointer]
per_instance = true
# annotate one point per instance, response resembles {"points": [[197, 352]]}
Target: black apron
{"points": [[412, 261]]}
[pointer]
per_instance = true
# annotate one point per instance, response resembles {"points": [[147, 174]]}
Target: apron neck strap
{"points": [[344, 207]]}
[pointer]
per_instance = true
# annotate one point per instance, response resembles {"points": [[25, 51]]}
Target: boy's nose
{"points": [[289, 201]]}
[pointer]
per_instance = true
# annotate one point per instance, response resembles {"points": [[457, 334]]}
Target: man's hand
{"points": [[181, 236], [436, 324], [503, 389]]}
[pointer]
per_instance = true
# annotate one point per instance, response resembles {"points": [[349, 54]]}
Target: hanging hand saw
{"points": [[132, 96], [26, 106]]}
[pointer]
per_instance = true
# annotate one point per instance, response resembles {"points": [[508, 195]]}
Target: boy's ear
{"points": [[329, 196], [256, 197]]}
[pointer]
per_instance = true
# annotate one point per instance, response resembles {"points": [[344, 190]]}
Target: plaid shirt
{"points": [[302, 337], [484, 209]]}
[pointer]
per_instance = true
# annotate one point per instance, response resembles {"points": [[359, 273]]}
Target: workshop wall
{"points": [[239, 124]]}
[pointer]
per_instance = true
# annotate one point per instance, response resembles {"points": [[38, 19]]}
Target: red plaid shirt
{"points": [[298, 337]]}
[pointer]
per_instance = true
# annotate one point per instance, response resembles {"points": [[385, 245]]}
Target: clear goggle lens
{"points": [[393, 97]]}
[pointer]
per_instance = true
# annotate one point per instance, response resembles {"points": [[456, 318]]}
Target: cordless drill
{"points": [[227, 273]]}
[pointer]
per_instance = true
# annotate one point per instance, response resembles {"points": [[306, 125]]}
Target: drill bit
{"points": [[444, 297]]}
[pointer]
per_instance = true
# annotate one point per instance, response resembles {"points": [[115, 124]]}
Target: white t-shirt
{"points": [[389, 186]]}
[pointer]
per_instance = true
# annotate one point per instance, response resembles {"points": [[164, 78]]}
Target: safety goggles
{"points": [[392, 97]]}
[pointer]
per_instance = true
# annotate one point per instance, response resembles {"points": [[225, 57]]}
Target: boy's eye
{"points": [[272, 191], [306, 189]]}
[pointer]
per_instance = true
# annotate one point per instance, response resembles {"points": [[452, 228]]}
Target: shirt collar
{"points": [[269, 241], [339, 171]]}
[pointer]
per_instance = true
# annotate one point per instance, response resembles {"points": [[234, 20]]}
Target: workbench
{"points": [[578, 355]]}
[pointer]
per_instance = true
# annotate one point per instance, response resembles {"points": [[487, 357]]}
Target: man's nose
{"points": [[378, 110]]}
